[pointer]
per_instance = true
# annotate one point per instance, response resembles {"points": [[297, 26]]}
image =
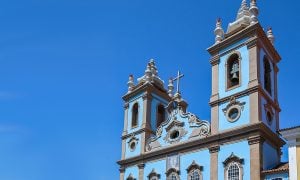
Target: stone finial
{"points": [[219, 32], [244, 10], [270, 35], [148, 73], [242, 20], [170, 87], [153, 67], [253, 11], [151, 75], [130, 83]]}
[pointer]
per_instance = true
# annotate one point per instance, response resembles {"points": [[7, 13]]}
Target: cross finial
{"points": [[178, 80]]}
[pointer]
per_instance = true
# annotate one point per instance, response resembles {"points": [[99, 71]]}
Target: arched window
{"points": [[233, 168], [130, 177], [173, 174], [233, 71], [194, 172], [135, 115], [267, 76], [160, 115], [153, 175], [233, 172]]}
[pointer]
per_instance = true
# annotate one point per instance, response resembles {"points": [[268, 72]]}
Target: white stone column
{"points": [[293, 159]]}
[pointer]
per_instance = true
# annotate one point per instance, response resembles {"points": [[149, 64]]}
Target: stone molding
{"points": [[193, 166], [149, 88], [215, 60], [153, 173], [147, 96], [141, 166], [254, 31], [214, 149], [122, 169], [244, 132], [246, 92], [140, 131], [255, 140], [126, 105]]}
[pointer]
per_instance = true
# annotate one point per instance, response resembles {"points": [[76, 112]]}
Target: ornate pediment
{"points": [[233, 158], [180, 126]]}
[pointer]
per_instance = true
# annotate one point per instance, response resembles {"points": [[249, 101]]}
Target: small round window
{"points": [[233, 114], [174, 134], [132, 146]]}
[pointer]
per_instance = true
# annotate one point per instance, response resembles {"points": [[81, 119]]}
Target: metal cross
{"points": [[178, 80]]}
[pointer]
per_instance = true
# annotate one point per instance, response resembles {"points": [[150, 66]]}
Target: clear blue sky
{"points": [[64, 66]]}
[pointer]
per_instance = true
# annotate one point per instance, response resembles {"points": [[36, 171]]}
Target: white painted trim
{"points": [[293, 163]]}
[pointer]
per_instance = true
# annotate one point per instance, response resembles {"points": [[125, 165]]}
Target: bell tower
{"points": [[244, 87], [244, 73], [145, 104]]}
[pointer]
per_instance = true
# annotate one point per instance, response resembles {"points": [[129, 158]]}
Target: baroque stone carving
{"points": [[132, 143], [174, 129], [233, 110]]}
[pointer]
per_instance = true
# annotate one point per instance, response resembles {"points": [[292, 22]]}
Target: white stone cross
{"points": [[178, 80]]}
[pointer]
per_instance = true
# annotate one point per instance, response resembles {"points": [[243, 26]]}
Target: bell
{"points": [[234, 77]]}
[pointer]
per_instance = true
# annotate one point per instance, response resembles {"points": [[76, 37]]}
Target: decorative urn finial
{"points": [[170, 87], [270, 35], [254, 11], [219, 32], [148, 73], [130, 83]]}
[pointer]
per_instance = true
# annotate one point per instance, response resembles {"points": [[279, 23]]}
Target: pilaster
{"points": [[122, 173], [141, 171], [214, 120], [147, 98], [254, 65], [255, 107], [126, 106], [256, 161], [214, 152], [215, 60]]}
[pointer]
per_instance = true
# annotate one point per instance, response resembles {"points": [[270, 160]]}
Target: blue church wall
{"points": [[233, 45], [200, 157], [136, 151], [272, 124], [159, 167], [156, 100], [284, 176], [262, 55], [270, 156], [240, 149], [244, 76], [134, 171], [137, 99], [224, 124]]}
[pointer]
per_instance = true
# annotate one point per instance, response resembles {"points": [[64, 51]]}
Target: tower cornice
{"points": [[256, 36], [258, 88], [147, 88]]}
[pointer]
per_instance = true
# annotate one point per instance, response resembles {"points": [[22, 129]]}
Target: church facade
{"points": [[162, 140]]}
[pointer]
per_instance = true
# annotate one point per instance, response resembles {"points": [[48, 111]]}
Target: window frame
{"points": [[172, 171], [157, 114], [153, 174], [268, 87], [227, 70], [135, 115], [233, 160], [192, 168]]}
